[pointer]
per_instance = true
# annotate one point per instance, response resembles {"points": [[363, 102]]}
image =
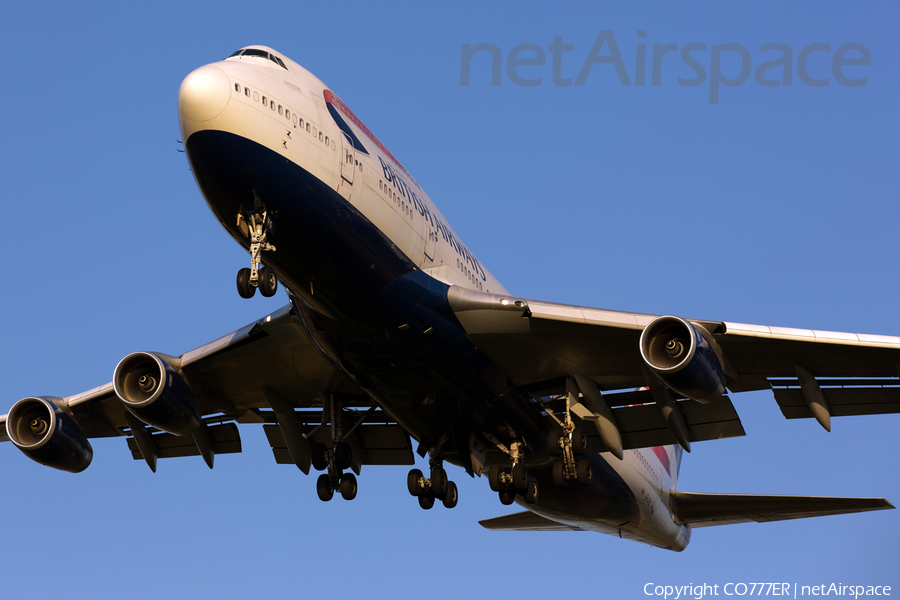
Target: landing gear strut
{"points": [[435, 487], [508, 482], [256, 226], [335, 460], [570, 442]]}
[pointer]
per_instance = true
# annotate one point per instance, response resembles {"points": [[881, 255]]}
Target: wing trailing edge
{"points": [[706, 510]]}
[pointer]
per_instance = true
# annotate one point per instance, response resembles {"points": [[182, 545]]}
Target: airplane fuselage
{"points": [[367, 259]]}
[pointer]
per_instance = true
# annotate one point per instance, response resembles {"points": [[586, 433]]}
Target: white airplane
{"points": [[394, 330]]}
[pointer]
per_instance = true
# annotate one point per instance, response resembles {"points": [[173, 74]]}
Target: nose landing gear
{"points": [[256, 226]]}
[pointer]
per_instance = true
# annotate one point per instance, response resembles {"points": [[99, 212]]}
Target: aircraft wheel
{"points": [[506, 497], [412, 482], [494, 478], [520, 477], [268, 282], [579, 441], [584, 471], [553, 443], [533, 493], [343, 455], [426, 501], [243, 283], [559, 476], [318, 457], [323, 488], [452, 496], [348, 486], [439, 482]]}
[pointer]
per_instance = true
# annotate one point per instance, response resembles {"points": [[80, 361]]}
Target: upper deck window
{"points": [[261, 54]]}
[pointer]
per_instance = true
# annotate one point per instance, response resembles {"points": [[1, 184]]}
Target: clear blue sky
{"points": [[775, 206]]}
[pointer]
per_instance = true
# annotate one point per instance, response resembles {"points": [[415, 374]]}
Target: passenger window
{"points": [[280, 110], [237, 87], [272, 105], [379, 184], [256, 96], [247, 92], [326, 140], [264, 100], [287, 114], [320, 136], [307, 127], [295, 119]]}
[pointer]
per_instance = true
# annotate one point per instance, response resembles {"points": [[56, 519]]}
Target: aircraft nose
{"points": [[203, 94]]}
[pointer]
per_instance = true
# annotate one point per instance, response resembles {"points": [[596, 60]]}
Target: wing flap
{"points": [[641, 424], [226, 440], [845, 397], [706, 510], [379, 444], [525, 521]]}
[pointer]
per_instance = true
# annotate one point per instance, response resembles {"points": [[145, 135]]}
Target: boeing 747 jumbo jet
{"points": [[396, 339]]}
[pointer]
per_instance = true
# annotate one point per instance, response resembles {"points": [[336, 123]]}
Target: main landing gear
{"points": [[435, 487], [335, 460], [256, 226], [567, 444], [516, 480]]}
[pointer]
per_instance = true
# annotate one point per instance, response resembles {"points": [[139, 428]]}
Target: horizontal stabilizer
{"points": [[524, 521], [705, 510]]}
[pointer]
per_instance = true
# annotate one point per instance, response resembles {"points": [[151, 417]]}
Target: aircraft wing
{"points": [[539, 344], [253, 375], [705, 510]]}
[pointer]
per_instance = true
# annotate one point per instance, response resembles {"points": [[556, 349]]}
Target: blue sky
{"points": [[776, 205]]}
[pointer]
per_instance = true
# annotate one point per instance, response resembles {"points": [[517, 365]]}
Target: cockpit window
{"points": [[261, 54]]}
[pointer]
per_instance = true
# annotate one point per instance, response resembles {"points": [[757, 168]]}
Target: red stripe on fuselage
{"points": [[663, 457], [332, 99]]}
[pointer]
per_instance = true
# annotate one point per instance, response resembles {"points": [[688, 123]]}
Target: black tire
{"points": [[343, 455], [243, 283], [559, 476], [267, 282], [533, 493], [494, 475], [579, 441], [426, 501], [412, 482], [553, 443], [584, 471], [348, 486], [439, 482], [452, 496], [520, 477], [507, 497], [323, 488], [319, 461]]}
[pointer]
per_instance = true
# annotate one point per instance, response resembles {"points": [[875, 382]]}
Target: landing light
{"points": [[504, 302]]}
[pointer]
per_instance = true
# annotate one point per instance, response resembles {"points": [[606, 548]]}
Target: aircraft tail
{"points": [[705, 510]]}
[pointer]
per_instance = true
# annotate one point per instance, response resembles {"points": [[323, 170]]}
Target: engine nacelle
{"points": [[153, 392], [683, 358], [47, 435]]}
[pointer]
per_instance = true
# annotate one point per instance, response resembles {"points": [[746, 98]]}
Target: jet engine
{"points": [[48, 435], [153, 392], [683, 358]]}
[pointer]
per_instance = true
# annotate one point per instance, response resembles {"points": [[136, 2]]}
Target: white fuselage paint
{"points": [[384, 192]]}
